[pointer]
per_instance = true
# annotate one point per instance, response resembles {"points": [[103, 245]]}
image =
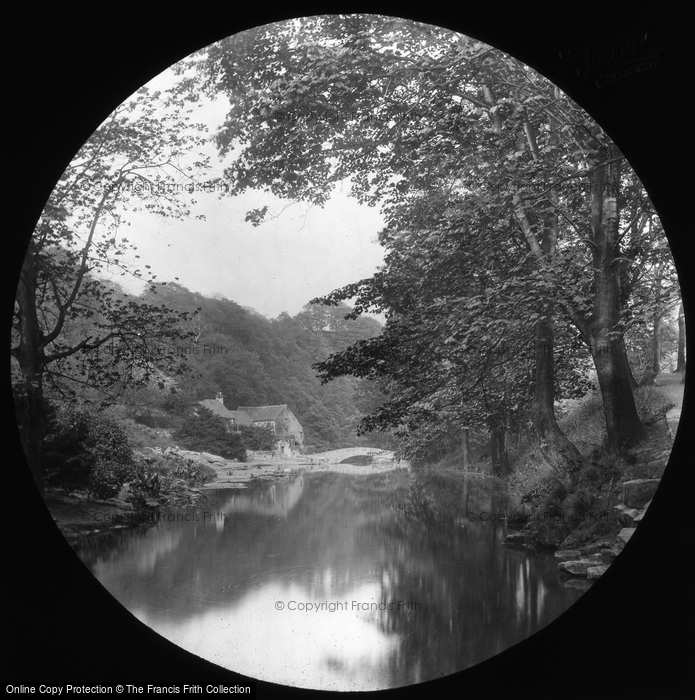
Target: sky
{"points": [[300, 252]]}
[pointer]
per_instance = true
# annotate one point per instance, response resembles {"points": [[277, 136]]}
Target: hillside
{"points": [[253, 360]]}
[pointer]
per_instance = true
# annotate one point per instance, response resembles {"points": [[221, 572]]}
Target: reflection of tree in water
{"points": [[329, 534], [213, 565], [475, 597]]}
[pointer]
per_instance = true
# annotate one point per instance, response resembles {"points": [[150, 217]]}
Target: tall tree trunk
{"points": [[656, 345], [631, 376], [556, 449], [465, 450], [29, 353], [498, 452], [603, 330], [680, 363]]}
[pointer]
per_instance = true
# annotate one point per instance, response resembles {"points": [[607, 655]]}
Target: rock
{"points": [[579, 567], [638, 518], [656, 469], [608, 555], [639, 491], [215, 459], [589, 550], [596, 571], [515, 538], [626, 515], [625, 534], [567, 555]]}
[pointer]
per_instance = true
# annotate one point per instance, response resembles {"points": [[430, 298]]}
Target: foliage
{"points": [[88, 451], [75, 334], [90, 331], [490, 180], [207, 432], [268, 362]]}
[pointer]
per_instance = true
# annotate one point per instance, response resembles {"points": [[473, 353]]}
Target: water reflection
{"points": [[336, 581]]}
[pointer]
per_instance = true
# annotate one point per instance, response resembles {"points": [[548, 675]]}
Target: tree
{"points": [[680, 363], [72, 327], [405, 110]]}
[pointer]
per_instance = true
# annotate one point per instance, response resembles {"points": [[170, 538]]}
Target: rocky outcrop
{"points": [[638, 492]]}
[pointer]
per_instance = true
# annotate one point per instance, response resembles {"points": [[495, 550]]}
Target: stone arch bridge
{"points": [[337, 456]]}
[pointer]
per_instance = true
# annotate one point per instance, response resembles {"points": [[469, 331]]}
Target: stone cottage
{"points": [[284, 424], [288, 431], [235, 418]]}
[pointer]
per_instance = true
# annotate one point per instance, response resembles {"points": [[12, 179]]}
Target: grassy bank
{"points": [[557, 510]]}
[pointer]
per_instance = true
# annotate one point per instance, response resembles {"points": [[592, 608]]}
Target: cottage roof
{"points": [[241, 417], [258, 413], [218, 409]]}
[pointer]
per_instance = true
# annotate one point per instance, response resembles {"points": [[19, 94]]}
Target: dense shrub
{"points": [[87, 451], [152, 419]]}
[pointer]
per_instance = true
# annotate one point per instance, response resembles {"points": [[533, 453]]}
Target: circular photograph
{"points": [[349, 351]]}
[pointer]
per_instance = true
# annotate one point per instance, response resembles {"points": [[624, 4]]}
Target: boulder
{"points": [[608, 555], [655, 469], [638, 518], [626, 515], [625, 534], [567, 555], [596, 571], [588, 550], [579, 567], [214, 459], [639, 491]]}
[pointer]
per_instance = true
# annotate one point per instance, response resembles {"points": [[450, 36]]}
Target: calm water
{"points": [[336, 581]]}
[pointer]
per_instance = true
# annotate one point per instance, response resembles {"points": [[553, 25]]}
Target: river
{"points": [[335, 581]]}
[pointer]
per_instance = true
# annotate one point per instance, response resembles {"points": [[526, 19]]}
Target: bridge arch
{"points": [[337, 456]]}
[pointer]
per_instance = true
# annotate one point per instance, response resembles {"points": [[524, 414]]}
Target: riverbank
{"points": [[240, 474], [77, 516], [588, 518]]}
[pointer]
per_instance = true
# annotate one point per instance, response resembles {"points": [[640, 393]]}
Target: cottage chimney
{"points": [[219, 397]]}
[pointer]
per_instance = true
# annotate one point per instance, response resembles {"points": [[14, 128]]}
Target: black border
{"points": [[69, 64]]}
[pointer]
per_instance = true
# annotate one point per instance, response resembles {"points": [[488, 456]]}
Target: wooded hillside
{"points": [[254, 360]]}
